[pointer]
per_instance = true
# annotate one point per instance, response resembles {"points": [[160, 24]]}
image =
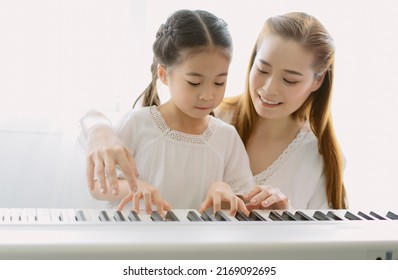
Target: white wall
{"points": [[59, 58]]}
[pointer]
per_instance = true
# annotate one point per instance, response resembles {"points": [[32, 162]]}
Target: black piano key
{"points": [[351, 216], [318, 215], [170, 216], [287, 216], [255, 216], [156, 217], [118, 216], [193, 217], [300, 216], [334, 216], [377, 216], [80, 216], [220, 216], [275, 216], [133, 216], [363, 215], [104, 216], [207, 217], [392, 215], [241, 217]]}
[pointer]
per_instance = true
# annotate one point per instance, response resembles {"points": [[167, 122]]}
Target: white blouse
{"points": [[182, 165], [298, 171]]}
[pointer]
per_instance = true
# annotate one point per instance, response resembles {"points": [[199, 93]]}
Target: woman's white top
{"points": [[183, 166], [297, 172]]}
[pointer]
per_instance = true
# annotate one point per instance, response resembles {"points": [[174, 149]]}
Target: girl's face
{"points": [[281, 78], [197, 85]]}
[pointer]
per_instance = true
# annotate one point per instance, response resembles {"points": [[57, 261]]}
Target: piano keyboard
{"points": [[188, 234], [55, 216]]}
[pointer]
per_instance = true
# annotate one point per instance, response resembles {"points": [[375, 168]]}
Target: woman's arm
{"points": [[105, 154]]}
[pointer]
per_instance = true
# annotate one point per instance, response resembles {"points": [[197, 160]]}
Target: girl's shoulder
{"points": [[133, 116]]}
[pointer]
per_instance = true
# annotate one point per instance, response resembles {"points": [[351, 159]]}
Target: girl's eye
{"points": [[261, 71], [219, 84], [193, 84], [290, 82]]}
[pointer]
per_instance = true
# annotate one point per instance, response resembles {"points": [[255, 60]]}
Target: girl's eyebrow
{"points": [[200, 75], [286, 70]]}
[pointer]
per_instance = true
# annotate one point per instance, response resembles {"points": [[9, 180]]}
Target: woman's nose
{"points": [[270, 87]]}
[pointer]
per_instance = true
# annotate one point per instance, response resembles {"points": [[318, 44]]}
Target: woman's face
{"points": [[281, 78]]}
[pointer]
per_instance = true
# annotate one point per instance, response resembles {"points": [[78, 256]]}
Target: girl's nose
{"points": [[207, 95]]}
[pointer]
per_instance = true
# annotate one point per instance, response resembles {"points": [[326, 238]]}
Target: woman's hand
{"points": [[106, 153], [266, 197], [221, 192], [151, 196]]}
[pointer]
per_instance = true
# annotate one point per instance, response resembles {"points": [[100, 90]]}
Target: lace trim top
{"points": [[263, 176], [176, 135]]}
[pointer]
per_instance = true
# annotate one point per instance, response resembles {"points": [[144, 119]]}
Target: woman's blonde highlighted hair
{"points": [[312, 36]]}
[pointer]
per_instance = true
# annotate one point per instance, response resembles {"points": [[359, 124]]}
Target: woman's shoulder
{"points": [[307, 141]]}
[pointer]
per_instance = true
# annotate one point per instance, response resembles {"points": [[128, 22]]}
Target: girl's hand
{"points": [[106, 153], [150, 194], [222, 192], [266, 197]]}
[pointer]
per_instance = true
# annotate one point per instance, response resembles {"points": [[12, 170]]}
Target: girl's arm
{"points": [[105, 153]]}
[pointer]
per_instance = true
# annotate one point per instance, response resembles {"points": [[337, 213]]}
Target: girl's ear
{"points": [[162, 74], [318, 81]]}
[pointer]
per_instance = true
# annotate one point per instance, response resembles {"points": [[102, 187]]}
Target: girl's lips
{"points": [[203, 108]]}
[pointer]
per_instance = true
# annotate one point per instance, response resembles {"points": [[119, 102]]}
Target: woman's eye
{"points": [[219, 84], [290, 82], [193, 84]]}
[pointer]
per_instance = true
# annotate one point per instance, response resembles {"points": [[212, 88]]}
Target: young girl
{"points": [[185, 158]]}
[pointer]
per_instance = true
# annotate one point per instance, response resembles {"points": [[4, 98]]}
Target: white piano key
{"points": [[5, 213], [15, 215], [2, 211], [95, 213], [55, 214], [144, 217], [28, 215], [68, 215], [43, 215], [182, 214]]}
